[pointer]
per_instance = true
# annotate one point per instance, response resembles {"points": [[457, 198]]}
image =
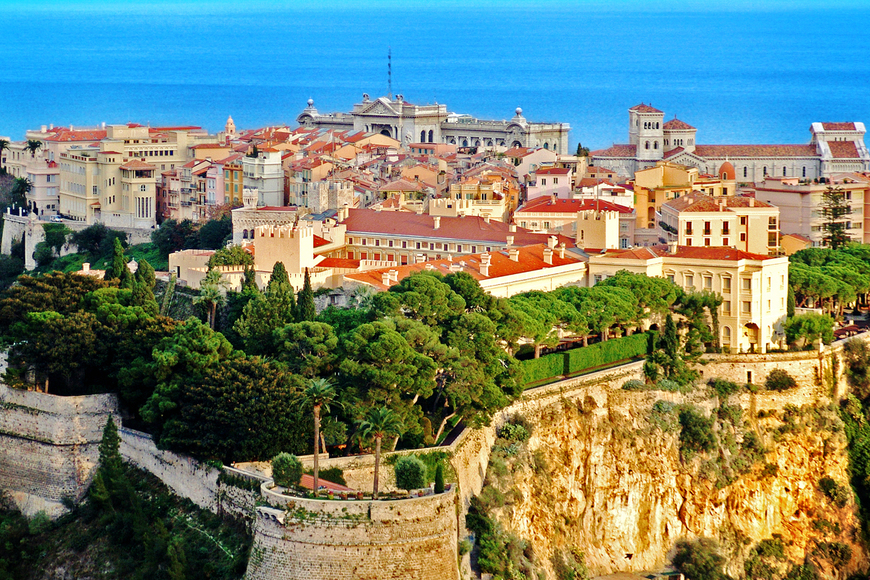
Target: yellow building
{"points": [[234, 180], [657, 185], [754, 287]]}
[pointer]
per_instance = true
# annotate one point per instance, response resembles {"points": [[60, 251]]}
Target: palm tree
{"points": [[210, 294], [33, 145], [20, 189], [380, 423], [319, 393], [4, 146]]}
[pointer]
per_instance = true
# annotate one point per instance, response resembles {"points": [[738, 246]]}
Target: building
{"points": [[746, 223], [547, 181], [408, 123], [833, 148], [800, 205], [597, 224], [754, 287], [265, 173]]}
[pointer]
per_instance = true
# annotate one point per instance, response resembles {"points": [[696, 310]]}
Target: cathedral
{"points": [[833, 148], [408, 123]]}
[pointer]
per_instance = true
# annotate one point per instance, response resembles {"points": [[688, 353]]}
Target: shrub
{"points": [[837, 493], [696, 434], [513, 432], [857, 355], [779, 380], [410, 473], [43, 254], [39, 523], [634, 385], [723, 387], [333, 474], [700, 560], [669, 385], [286, 470], [439, 479]]}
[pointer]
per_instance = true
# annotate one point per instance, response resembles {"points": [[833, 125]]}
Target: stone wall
{"points": [[48, 446], [408, 539]]}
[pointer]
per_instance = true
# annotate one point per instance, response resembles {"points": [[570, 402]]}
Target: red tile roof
{"points": [[339, 263], [552, 171], [137, 165], [278, 208], [518, 152], [468, 228], [755, 150], [843, 149], [701, 202], [709, 253], [838, 126], [318, 241], [401, 185], [673, 152], [642, 108], [65, 135], [545, 205], [616, 151], [676, 124]]}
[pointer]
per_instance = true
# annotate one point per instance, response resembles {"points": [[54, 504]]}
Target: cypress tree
{"points": [[790, 304], [439, 478], [118, 270], [280, 290], [249, 285], [305, 310]]}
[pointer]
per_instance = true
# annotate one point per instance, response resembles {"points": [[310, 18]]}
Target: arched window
{"points": [[546, 146], [765, 171], [422, 136], [657, 125], [745, 171], [431, 136], [655, 144], [804, 171], [646, 145], [783, 170], [465, 142], [244, 234], [726, 334]]}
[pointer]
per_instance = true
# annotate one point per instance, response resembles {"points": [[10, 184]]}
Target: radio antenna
{"points": [[390, 72]]}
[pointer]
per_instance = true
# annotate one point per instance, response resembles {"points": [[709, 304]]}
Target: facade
{"points": [[595, 224], [833, 148], [754, 287], [408, 123], [739, 222], [800, 205], [547, 181], [264, 173], [665, 181]]}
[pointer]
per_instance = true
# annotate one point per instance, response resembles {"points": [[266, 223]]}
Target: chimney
{"points": [[562, 250], [86, 267], [420, 258], [385, 278], [751, 202], [514, 254], [420, 210], [437, 219], [342, 213], [512, 228], [672, 247], [551, 242], [548, 256], [484, 264], [510, 241], [43, 128], [394, 275], [552, 199], [486, 219], [690, 200]]}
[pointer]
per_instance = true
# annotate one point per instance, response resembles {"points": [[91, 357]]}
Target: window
{"points": [[771, 223], [742, 236], [363, 241], [747, 307], [690, 281], [671, 278], [764, 169], [708, 282], [646, 145], [546, 225], [746, 284], [555, 181], [597, 278], [743, 220], [745, 171], [706, 228], [783, 174], [772, 240], [688, 241], [726, 307], [804, 172], [623, 243], [725, 242], [143, 188], [768, 283], [726, 228], [405, 244], [706, 241], [768, 305], [543, 181], [377, 242], [726, 284]]}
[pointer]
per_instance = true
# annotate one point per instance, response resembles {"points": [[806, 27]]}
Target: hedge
{"points": [[580, 359]]}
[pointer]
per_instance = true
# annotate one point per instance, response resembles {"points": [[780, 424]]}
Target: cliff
{"points": [[603, 473]]}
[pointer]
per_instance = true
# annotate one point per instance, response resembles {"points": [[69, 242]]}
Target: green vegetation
{"points": [[410, 473], [597, 355], [838, 494], [287, 470], [832, 279], [696, 434], [779, 380], [700, 560]]}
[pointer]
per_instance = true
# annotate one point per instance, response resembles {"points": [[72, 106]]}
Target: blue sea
{"points": [[742, 73]]}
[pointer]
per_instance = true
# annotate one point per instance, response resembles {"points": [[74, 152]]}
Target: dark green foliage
{"points": [[307, 348], [43, 254], [808, 328], [500, 553], [410, 473], [118, 269], [305, 310], [570, 565], [856, 353], [858, 434], [765, 561], [55, 236], [802, 572], [173, 236], [439, 478], [790, 304], [723, 388], [333, 474], [696, 434], [231, 256], [835, 212], [286, 470], [700, 560], [516, 430], [838, 494], [837, 553], [669, 355], [267, 312], [214, 233], [779, 380], [576, 360]]}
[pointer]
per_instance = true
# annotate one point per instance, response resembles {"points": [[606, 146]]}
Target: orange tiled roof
{"points": [[65, 135], [545, 205], [838, 126], [755, 150], [616, 151], [137, 165], [642, 108], [843, 149], [701, 202], [338, 263], [673, 152], [710, 253], [676, 124], [552, 171]]}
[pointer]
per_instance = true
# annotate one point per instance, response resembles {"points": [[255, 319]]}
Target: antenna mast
{"points": [[390, 72]]}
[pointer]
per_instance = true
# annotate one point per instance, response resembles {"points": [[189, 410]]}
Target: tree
{"points": [[173, 236], [211, 294], [231, 256], [319, 394], [214, 233], [421, 296], [834, 210], [33, 145], [582, 151], [790, 304], [305, 309], [307, 348], [809, 328], [4, 146], [410, 473], [287, 470], [265, 313], [379, 423], [55, 236], [439, 478], [118, 270], [700, 560], [20, 188]]}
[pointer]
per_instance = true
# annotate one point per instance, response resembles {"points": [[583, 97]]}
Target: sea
{"points": [[741, 72]]}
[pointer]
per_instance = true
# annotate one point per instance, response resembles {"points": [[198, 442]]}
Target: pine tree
{"points": [[835, 212], [118, 269], [280, 289], [110, 455], [249, 285], [305, 309]]}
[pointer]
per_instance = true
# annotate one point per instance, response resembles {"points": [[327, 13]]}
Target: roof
{"points": [[278, 208], [318, 241], [467, 228], [839, 126], [530, 258], [65, 135], [616, 151], [137, 165], [701, 202], [552, 171], [339, 263], [642, 108], [843, 150], [676, 124], [545, 205], [755, 150], [401, 185], [518, 152], [709, 253], [800, 237], [673, 152]]}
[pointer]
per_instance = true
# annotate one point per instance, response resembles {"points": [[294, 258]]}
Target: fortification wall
{"points": [[409, 539], [49, 446]]}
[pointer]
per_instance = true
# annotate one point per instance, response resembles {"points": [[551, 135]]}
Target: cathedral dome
{"points": [[726, 171]]}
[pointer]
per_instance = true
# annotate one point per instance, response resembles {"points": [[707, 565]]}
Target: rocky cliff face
{"points": [[604, 473]]}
